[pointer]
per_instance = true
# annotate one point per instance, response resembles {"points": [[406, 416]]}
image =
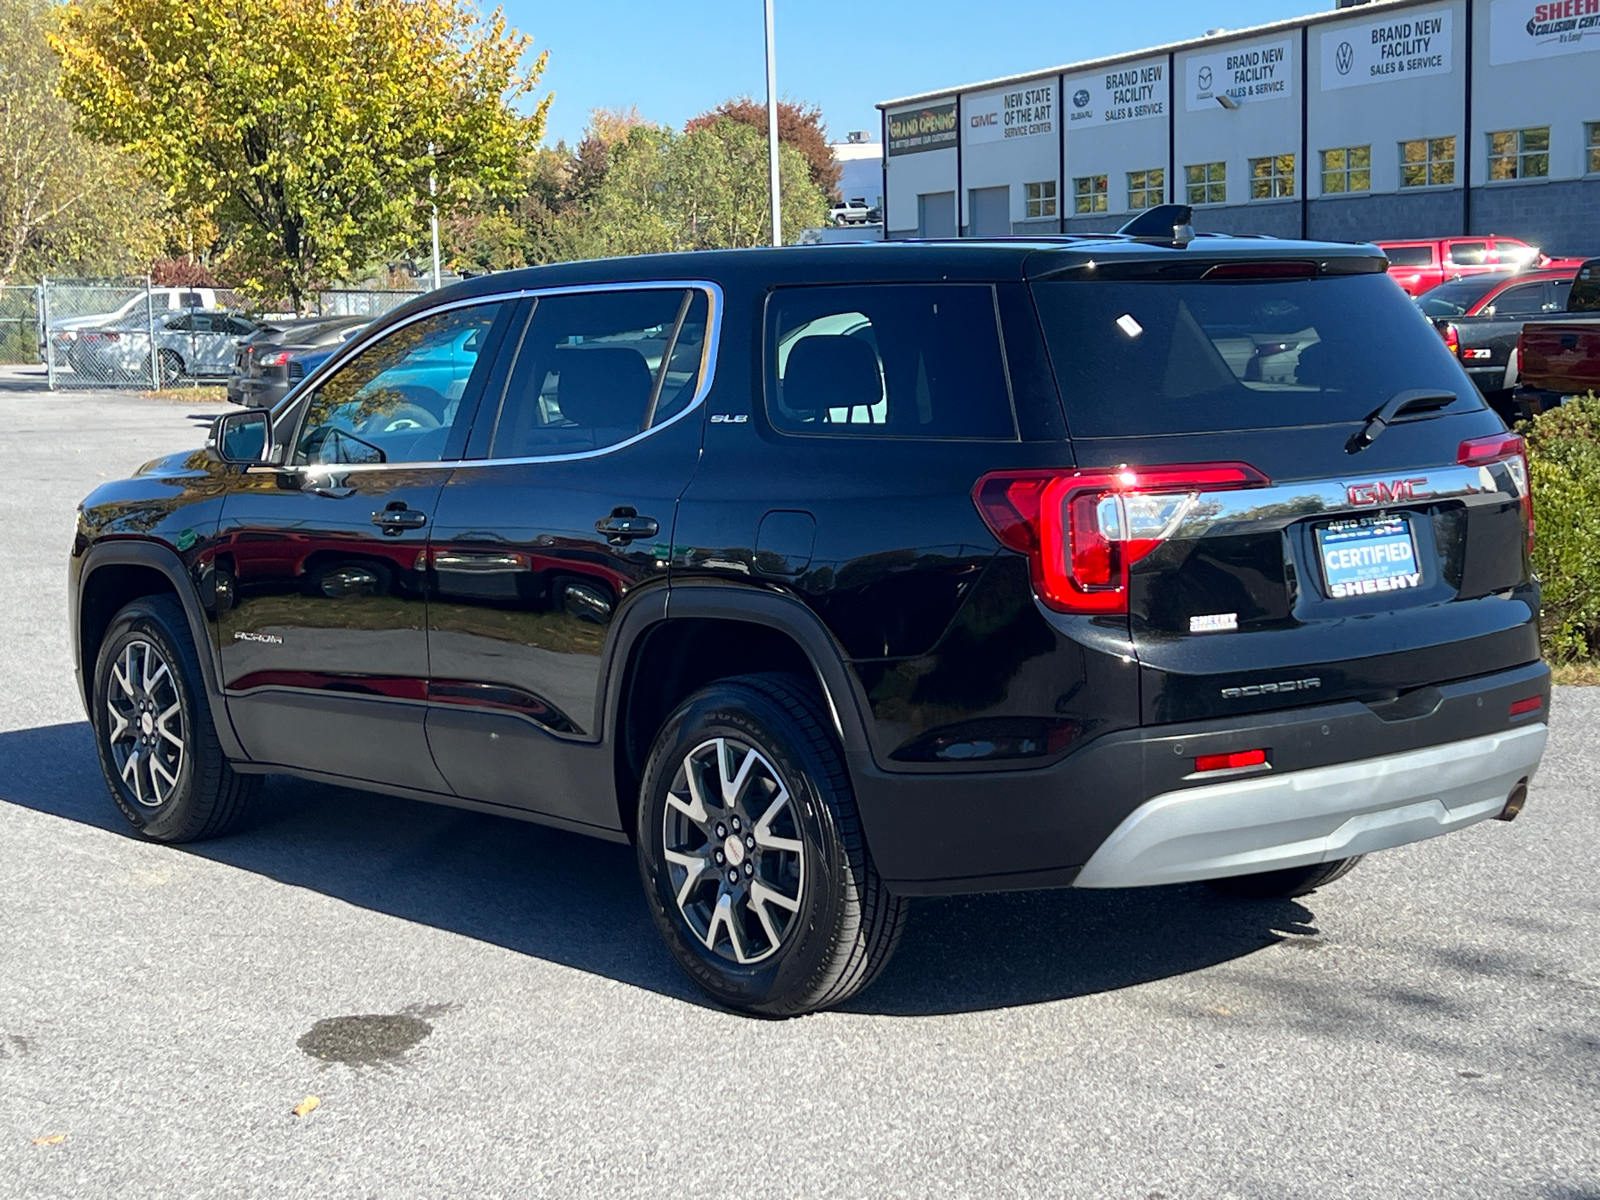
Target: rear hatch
{"points": [[1287, 486]]}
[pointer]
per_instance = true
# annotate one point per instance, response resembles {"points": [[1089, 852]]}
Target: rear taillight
{"points": [[1083, 530], [276, 360], [1508, 448], [1452, 339]]}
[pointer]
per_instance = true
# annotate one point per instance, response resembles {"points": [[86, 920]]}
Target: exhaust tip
{"points": [[1514, 802]]}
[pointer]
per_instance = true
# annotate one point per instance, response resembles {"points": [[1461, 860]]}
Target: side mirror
{"points": [[242, 437]]}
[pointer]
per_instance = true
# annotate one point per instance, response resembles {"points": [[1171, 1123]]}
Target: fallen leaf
{"points": [[51, 1140], [304, 1108]]}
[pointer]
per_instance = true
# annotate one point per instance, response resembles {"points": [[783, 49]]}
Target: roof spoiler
{"points": [[1163, 223]]}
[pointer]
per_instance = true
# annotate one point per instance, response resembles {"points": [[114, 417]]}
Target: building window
{"points": [[1428, 162], [1207, 183], [1592, 129], [1272, 178], [1146, 189], [1089, 194], [1347, 170], [1041, 198], [1520, 153]]}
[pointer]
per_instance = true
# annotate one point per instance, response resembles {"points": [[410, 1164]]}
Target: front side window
{"points": [[1347, 170], [397, 400], [1041, 198], [1591, 139], [1428, 162], [596, 368], [1520, 153], [1089, 194], [1272, 178], [1146, 189], [1469, 254], [1207, 183], [1517, 301], [887, 360]]}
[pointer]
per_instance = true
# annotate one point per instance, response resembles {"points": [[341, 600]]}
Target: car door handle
{"points": [[624, 524], [398, 520]]}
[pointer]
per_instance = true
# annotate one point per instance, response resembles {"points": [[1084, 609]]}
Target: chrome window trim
{"points": [[708, 363]]}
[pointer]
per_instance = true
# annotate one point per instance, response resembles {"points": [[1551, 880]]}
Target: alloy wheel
{"points": [[734, 854], [145, 724]]}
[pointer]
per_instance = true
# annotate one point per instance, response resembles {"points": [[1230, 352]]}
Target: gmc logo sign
{"points": [[1380, 492]]}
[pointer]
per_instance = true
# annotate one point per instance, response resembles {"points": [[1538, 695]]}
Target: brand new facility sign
{"points": [[931, 127], [1130, 92], [1520, 30], [1245, 72], [1408, 44], [1020, 112]]}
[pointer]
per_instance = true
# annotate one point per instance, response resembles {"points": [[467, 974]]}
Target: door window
{"points": [[596, 368], [1409, 256], [1518, 301], [894, 360], [1469, 254], [398, 399]]}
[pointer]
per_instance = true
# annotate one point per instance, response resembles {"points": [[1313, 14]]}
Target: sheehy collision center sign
{"points": [[1407, 44], [1245, 72], [1520, 30], [1130, 92], [1020, 112]]}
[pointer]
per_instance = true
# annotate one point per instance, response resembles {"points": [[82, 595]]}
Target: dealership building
{"points": [[1402, 119]]}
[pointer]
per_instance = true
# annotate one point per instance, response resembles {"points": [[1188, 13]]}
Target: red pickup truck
{"points": [[1420, 264], [1559, 355]]}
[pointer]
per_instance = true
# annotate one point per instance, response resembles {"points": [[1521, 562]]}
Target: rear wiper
{"points": [[1415, 400]]}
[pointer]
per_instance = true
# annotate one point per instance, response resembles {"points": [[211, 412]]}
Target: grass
{"points": [[215, 393], [1581, 674]]}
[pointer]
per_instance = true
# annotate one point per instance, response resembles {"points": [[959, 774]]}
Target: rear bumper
{"points": [[1271, 822], [947, 832]]}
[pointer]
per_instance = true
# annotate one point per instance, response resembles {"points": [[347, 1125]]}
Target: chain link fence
{"points": [[130, 333]]}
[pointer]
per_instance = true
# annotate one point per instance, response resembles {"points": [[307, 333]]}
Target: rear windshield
{"points": [[1136, 358], [1454, 298]]}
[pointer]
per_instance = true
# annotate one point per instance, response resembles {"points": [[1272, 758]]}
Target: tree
{"points": [[66, 203], [305, 126], [799, 125]]}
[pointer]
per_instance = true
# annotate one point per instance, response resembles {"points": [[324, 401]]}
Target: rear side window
{"points": [[1409, 256], [1135, 357], [596, 368], [1454, 298], [887, 360], [1469, 254], [1519, 301]]}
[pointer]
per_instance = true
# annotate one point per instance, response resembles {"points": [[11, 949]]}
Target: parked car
{"points": [[189, 343], [1419, 265], [1559, 354], [1480, 318], [829, 580], [268, 365], [852, 212], [135, 310]]}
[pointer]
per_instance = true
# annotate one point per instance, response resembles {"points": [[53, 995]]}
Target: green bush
{"points": [[1564, 461]]}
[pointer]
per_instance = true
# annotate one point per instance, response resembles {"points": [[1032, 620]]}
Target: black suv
{"points": [[834, 576]]}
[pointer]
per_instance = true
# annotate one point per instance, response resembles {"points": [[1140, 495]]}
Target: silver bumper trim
{"points": [[1269, 822]]}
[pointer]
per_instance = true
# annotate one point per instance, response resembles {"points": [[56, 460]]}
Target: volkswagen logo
{"points": [[1080, 98], [1205, 79], [1344, 58]]}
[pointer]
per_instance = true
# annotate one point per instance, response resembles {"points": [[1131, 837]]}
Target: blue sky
{"points": [[676, 61]]}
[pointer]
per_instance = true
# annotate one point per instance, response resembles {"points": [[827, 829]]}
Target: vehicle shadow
{"points": [[576, 901]]}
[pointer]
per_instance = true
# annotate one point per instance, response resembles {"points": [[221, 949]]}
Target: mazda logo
{"points": [[1080, 98], [1344, 58], [1205, 79]]}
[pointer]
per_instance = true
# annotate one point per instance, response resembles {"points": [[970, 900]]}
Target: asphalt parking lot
{"points": [[1428, 1026]]}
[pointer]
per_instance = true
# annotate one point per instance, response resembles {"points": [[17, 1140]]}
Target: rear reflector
{"points": [[1531, 704], [1229, 762], [1083, 530]]}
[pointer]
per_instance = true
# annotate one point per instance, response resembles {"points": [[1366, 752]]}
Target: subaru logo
{"points": [[1344, 58], [1205, 79], [1080, 98]]}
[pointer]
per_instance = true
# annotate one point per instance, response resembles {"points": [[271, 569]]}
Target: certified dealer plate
{"points": [[1362, 558]]}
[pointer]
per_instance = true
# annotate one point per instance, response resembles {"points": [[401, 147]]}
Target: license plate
{"points": [[1365, 557]]}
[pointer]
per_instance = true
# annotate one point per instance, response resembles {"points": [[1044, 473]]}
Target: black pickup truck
{"points": [[1481, 317]]}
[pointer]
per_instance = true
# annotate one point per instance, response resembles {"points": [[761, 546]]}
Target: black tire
{"points": [[170, 363], [1285, 884], [182, 789], [844, 924]]}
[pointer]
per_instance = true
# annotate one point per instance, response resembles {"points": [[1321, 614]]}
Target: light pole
{"points": [[772, 128], [433, 190]]}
